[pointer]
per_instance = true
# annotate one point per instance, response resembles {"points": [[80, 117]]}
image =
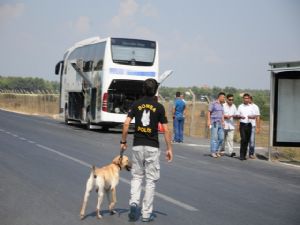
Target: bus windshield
{"points": [[133, 52]]}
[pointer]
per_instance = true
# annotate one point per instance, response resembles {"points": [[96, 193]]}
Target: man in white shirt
{"points": [[255, 128], [230, 112], [246, 113]]}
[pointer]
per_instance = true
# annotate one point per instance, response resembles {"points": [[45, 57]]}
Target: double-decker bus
{"points": [[101, 78]]}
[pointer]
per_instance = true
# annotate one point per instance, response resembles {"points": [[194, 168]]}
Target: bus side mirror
{"points": [[59, 67]]}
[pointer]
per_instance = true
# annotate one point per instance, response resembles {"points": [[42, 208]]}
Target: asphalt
{"points": [[261, 153], [44, 165]]}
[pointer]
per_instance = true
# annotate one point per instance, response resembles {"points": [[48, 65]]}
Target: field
{"points": [[35, 104], [47, 105]]}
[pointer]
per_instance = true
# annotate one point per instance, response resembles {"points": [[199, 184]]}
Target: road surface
{"points": [[44, 165]]}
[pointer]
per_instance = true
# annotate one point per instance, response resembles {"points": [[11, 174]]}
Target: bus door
{"points": [[93, 103]]}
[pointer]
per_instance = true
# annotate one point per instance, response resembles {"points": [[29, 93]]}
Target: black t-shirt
{"points": [[147, 113]]}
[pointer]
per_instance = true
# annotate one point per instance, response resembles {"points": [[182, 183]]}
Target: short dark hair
{"points": [[221, 93], [178, 94], [150, 87], [246, 95], [229, 95]]}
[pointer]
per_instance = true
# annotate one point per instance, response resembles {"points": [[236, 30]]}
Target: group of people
{"points": [[221, 120], [148, 113]]}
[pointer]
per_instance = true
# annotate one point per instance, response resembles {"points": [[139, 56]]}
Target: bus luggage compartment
{"points": [[122, 93]]}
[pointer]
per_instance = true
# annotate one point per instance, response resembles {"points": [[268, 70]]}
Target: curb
{"points": [[259, 156]]}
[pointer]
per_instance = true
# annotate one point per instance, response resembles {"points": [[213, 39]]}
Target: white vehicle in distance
{"points": [[101, 78]]}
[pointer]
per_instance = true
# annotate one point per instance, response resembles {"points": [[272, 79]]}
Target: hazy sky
{"points": [[215, 43]]}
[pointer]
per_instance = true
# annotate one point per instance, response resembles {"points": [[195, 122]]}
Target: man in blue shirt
{"points": [[178, 117]]}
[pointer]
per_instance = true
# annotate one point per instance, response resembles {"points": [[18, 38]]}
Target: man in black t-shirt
{"points": [[145, 152]]}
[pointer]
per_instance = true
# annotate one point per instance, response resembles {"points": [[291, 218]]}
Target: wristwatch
{"points": [[123, 142]]}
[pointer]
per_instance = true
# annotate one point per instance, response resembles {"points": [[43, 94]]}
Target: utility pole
{"points": [[193, 110]]}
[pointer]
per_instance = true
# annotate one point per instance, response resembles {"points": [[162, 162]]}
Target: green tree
{"points": [[28, 84]]}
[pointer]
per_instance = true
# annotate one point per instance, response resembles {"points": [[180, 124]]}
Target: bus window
{"points": [[87, 66], [133, 52], [99, 56]]}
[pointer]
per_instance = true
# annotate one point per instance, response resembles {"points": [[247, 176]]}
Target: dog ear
{"points": [[117, 160]]}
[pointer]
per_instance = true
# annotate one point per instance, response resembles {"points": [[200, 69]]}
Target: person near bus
{"points": [[230, 113], [147, 113], [255, 122], [178, 118], [215, 122], [246, 113]]}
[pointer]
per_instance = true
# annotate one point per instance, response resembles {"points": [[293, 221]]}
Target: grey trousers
{"points": [[145, 164]]}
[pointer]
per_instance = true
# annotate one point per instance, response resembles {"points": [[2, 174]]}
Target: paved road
{"points": [[44, 165]]}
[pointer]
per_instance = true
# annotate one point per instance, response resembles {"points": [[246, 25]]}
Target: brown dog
{"points": [[105, 179]]}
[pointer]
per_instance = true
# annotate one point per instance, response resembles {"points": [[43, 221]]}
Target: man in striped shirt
{"points": [[215, 122]]}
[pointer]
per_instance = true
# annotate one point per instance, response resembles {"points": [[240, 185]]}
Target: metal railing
{"points": [[27, 91]]}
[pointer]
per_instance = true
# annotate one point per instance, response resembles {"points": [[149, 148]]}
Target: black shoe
{"points": [[233, 154], [133, 212], [149, 219], [242, 158]]}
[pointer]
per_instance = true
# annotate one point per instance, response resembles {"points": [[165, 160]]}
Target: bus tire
{"points": [[88, 125], [66, 115], [104, 128], [88, 119]]}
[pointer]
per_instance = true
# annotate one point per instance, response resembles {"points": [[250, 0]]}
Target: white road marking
{"points": [[175, 202], [167, 198], [162, 196], [64, 155], [83, 163], [180, 157]]}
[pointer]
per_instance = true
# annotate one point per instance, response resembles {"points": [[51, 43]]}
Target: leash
{"points": [[121, 157], [121, 154]]}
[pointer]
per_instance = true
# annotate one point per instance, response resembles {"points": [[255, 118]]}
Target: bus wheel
{"points": [[104, 128], [66, 115], [88, 120], [88, 125]]}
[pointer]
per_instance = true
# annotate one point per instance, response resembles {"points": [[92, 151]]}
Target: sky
{"points": [[205, 42]]}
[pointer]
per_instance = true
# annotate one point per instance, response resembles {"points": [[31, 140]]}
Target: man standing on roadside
{"points": [[245, 113], [255, 128], [145, 152], [230, 113], [215, 122], [178, 117]]}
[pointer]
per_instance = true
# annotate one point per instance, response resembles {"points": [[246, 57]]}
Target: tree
{"points": [[28, 84]]}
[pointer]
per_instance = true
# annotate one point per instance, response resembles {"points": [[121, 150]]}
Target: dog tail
{"points": [[94, 171]]}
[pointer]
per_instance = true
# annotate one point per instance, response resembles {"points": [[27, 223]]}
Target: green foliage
{"points": [[27, 84]]}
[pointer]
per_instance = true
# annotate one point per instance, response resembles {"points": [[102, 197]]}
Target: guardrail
{"points": [[26, 91]]}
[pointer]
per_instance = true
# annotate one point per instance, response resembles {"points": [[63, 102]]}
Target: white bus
{"points": [[101, 78]]}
